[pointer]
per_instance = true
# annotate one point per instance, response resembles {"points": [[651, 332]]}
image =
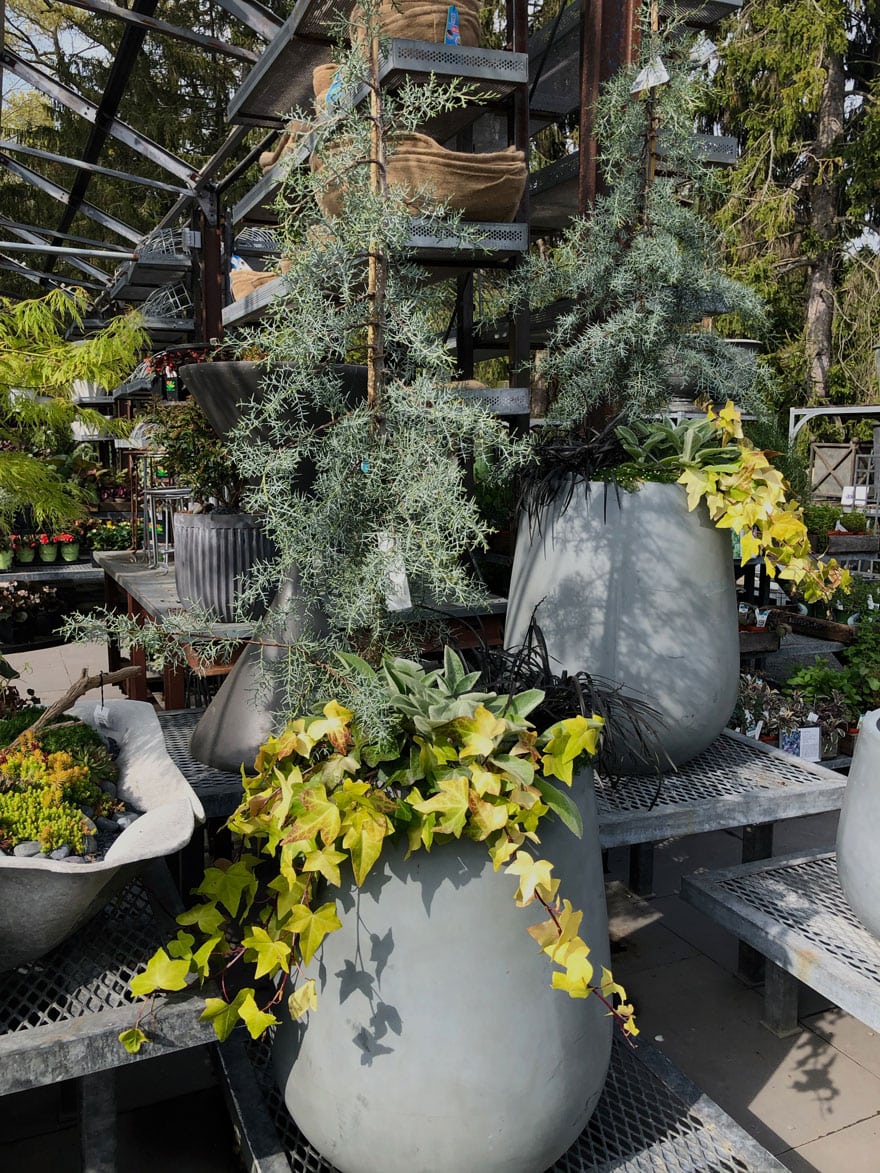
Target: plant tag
{"points": [[398, 597], [654, 74], [102, 715], [811, 744], [334, 91], [453, 31], [761, 616], [813, 718], [756, 732]]}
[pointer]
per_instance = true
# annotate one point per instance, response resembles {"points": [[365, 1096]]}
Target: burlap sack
{"points": [[322, 79], [285, 144], [422, 20], [484, 187], [245, 281]]}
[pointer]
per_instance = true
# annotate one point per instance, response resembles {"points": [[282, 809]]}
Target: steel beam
{"points": [[42, 233], [17, 148], [38, 239], [255, 16], [64, 197], [32, 275], [18, 246], [109, 125], [151, 25]]}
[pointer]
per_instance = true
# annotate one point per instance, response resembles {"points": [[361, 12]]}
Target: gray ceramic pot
{"points": [[859, 827], [438, 1045], [634, 588], [43, 901], [213, 553]]}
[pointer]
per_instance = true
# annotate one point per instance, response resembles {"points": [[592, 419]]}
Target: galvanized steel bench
{"points": [[793, 911]]}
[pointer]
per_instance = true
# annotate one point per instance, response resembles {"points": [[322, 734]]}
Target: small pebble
{"points": [[127, 819], [88, 825], [76, 859], [88, 811], [107, 825], [90, 844], [109, 788], [61, 852], [31, 847]]}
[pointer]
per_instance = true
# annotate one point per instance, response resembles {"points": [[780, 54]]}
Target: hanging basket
{"points": [[483, 187]]}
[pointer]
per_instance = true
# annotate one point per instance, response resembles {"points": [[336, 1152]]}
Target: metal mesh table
{"points": [[792, 910], [650, 1117]]}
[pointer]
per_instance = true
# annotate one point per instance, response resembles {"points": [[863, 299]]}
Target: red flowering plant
{"points": [[65, 538], [23, 541], [46, 540]]}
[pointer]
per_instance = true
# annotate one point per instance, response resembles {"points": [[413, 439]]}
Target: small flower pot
{"points": [[25, 555], [5, 559], [70, 552], [49, 552]]}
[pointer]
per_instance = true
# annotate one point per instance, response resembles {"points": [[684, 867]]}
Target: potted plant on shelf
{"points": [[435, 841], [834, 530], [68, 546], [25, 548], [47, 547], [215, 543], [7, 550]]}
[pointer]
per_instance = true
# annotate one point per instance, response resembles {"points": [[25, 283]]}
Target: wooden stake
{"points": [[377, 274], [85, 684]]}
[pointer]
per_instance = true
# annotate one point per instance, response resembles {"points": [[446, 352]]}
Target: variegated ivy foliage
{"points": [[742, 491], [324, 802]]}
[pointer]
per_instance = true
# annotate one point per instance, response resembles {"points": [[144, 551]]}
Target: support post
{"points": [[97, 1121], [757, 844], [780, 1001]]}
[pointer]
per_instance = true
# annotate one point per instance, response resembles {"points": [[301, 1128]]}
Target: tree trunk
{"points": [[823, 226]]}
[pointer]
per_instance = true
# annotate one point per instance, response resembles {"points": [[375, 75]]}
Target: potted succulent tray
{"points": [[47, 892]]}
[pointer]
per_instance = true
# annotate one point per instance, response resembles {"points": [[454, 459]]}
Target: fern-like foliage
{"points": [[635, 276]]}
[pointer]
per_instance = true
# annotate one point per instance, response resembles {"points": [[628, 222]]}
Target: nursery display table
{"points": [[650, 1116], [133, 587], [736, 782], [60, 1017], [792, 910]]}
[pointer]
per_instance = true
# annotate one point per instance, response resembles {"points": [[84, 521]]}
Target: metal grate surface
{"points": [[500, 400], [650, 1118], [89, 972], [730, 766], [219, 792], [420, 59], [805, 897], [169, 301]]}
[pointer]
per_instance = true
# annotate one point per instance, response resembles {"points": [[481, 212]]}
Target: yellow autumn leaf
{"points": [[483, 732], [503, 850], [325, 861], [450, 805], [486, 817], [303, 999], [532, 874]]}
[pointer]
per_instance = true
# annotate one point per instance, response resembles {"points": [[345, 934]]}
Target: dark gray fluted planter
{"points": [[213, 553], [857, 834], [634, 588], [438, 1045]]}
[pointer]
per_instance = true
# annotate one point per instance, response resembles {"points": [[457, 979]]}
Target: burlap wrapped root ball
{"points": [[484, 187], [283, 146], [421, 20]]}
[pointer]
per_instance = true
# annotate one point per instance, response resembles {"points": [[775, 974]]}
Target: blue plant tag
{"points": [[335, 91], [453, 33]]}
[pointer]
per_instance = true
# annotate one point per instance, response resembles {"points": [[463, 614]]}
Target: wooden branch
{"points": [[76, 690]]}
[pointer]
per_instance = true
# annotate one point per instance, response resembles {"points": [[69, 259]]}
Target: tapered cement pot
{"points": [[634, 588], [245, 710], [438, 1045], [43, 901], [858, 863]]}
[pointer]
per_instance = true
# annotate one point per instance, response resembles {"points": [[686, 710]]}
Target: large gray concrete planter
{"points": [[438, 1045], [43, 901], [634, 588], [858, 862], [213, 553]]}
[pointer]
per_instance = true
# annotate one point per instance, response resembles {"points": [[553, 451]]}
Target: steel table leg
{"points": [[780, 1001], [97, 1121], [757, 844]]}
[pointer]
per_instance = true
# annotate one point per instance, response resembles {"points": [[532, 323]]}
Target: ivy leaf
{"points": [[502, 851], [567, 740], [181, 945], [364, 835], [224, 1015], [133, 1039], [229, 886], [290, 889], [561, 805], [483, 731], [533, 874], [313, 927], [487, 817], [325, 861], [207, 916], [202, 957], [269, 954], [161, 974], [320, 817], [303, 999], [450, 804], [517, 768], [256, 1020]]}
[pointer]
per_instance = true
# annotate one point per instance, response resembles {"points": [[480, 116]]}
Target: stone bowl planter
{"points": [[634, 588], [438, 1043], [213, 554], [857, 862], [43, 901]]}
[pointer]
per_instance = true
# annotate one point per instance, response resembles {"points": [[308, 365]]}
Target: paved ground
{"points": [[813, 1099]]}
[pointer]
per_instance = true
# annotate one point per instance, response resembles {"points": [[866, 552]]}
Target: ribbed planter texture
{"points": [[438, 1045], [634, 588], [213, 553], [43, 901], [858, 865], [244, 712]]}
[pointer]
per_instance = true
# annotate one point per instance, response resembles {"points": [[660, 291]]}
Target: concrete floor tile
{"points": [[852, 1150], [848, 1035], [785, 1092], [699, 931], [638, 938], [674, 858]]}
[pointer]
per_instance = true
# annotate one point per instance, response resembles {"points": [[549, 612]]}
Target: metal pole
{"points": [[17, 246]]}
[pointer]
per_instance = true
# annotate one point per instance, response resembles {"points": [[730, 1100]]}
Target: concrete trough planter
{"points": [[438, 1044], [858, 867], [43, 901]]}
